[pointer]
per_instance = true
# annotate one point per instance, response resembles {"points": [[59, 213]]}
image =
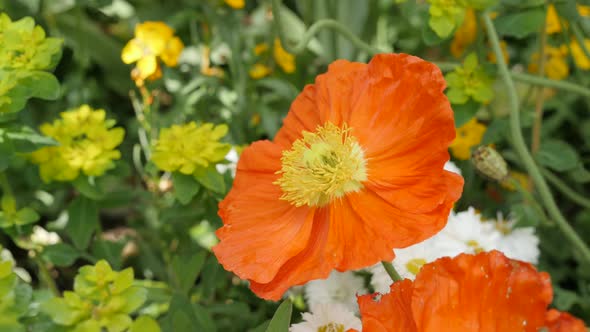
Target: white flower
{"points": [[43, 238], [328, 318], [6, 255], [408, 261], [469, 230], [451, 167], [340, 288], [518, 243], [233, 157], [220, 54]]}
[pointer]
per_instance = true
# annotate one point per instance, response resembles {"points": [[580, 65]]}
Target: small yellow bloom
{"points": [[552, 24], [522, 179], [465, 34], [260, 48], [468, 136], [188, 148], [236, 4], [504, 48], [259, 71], [583, 10], [284, 59], [152, 40], [578, 54], [87, 144], [556, 66]]}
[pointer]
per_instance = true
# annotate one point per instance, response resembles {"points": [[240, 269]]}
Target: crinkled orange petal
{"points": [[557, 321], [480, 293], [320, 102], [391, 312], [322, 253], [260, 231]]}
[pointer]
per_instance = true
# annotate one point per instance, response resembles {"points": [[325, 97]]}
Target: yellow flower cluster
{"points": [[235, 4], [468, 136], [153, 41], [189, 148], [552, 24], [87, 143], [283, 59], [556, 66], [578, 54]]}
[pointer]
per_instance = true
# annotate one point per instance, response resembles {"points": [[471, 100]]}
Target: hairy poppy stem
{"points": [[391, 271], [524, 154], [314, 29]]}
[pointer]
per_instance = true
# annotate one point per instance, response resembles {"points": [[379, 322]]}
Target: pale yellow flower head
{"points": [[284, 59], [87, 144], [259, 71], [578, 54], [190, 147], [468, 136], [556, 66], [153, 41]]}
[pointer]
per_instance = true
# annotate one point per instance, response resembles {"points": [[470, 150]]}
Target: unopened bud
{"points": [[490, 163]]}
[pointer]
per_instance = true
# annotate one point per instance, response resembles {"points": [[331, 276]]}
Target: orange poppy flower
{"points": [[355, 171], [557, 321], [487, 292]]}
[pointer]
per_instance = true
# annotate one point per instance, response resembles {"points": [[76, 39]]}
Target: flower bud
{"points": [[490, 163]]}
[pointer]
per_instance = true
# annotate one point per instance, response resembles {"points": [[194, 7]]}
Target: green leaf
{"points": [[465, 112], [41, 84], [109, 250], [442, 25], [145, 324], [27, 140], [430, 37], [187, 268], [211, 179], [61, 254], [182, 316], [557, 155], [520, 24], [526, 215], [88, 187], [185, 187], [282, 318], [82, 221]]}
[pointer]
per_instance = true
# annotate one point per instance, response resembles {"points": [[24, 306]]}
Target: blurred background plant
{"points": [[190, 83]]}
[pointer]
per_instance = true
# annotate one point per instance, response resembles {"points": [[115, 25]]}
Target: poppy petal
{"points": [[391, 313], [255, 218]]}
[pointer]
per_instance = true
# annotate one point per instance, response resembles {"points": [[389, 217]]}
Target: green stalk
{"points": [[391, 271], [524, 154], [564, 189], [313, 30]]}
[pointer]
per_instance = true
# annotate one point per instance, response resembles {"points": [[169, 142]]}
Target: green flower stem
{"points": [[391, 271], [580, 39], [536, 132], [524, 154], [565, 189], [45, 276], [313, 30], [531, 79]]}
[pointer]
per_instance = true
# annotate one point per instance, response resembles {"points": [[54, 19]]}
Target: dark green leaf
{"points": [[61, 254], [520, 24], [187, 268], [185, 187], [82, 221], [211, 179], [109, 250], [88, 187], [557, 155], [27, 140], [525, 215]]}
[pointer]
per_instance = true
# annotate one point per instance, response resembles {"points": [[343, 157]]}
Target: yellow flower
{"points": [[504, 48], [259, 71], [578, 54], [188, 148], [465, 34], [556, 66], [583, 10], [468, 136], [260, 48], [152, 40], [552, 20], [284, 59], [235, 4], [522, 179], [87, 144]]}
